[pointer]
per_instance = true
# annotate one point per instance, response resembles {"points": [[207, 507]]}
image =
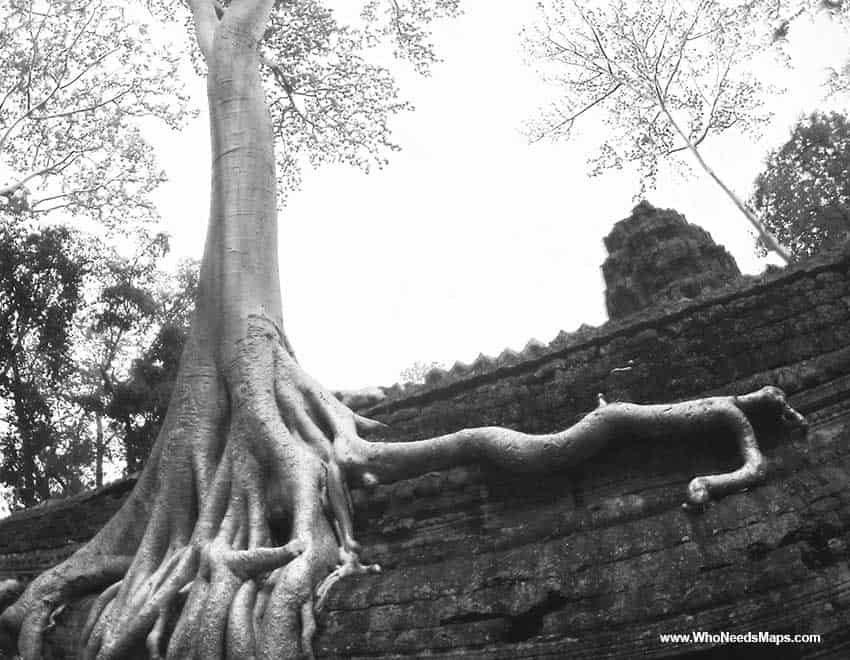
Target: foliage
{"points": [[90, 345], [137, 404], [115, 326], [81, 75], [803, 193], [418, 371], [781, 17], [41, 278], [664, 75], [406, 24]]}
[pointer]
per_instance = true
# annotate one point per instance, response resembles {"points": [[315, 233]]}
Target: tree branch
{"points": [[280, 76], [81, 191], [57, 82], [248, 16], [576, 115], [85, 70], [596, 37], [89, 108], [55, 167], [205, 19], [681, 54]]}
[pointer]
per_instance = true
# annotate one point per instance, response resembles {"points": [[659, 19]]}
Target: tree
{"points": [[131, 303], [803, 193], [418, 371], [137, 405], [73, 314], [241, 520], [665, 75], [62, 354], [41, 277], [80, 76]]}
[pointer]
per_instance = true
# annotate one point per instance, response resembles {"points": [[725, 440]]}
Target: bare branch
{"points": [[88, 108], [569, 120], [91, 66], [57, 86], [288, 89], [53, 168], [596, 37], [681, 54], [74, 193]]}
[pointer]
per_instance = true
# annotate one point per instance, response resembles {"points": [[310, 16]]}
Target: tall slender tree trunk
{"points": [[770, 241]]}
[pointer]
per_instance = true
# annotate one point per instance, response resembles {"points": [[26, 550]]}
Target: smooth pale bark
{"points": [[770, 241], [241, 520]]}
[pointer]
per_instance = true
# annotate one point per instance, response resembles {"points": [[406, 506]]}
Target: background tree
{"points": [[41, 279], [116, 327], [417, 371], [803, 193], [73, 317], [665, 75], [137, 404], [241, 520]]}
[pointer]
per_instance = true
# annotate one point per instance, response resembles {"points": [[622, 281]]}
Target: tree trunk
{"points": [[98, 450], [240, 522], [770, 241]]}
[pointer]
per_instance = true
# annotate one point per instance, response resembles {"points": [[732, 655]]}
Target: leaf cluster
{"points": [[137, 404], [82, 77], [803, 193]]}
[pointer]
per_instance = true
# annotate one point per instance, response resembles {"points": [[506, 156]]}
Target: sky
{"points": [[472, 240]]}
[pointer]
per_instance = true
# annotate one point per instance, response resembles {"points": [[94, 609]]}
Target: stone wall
{"points": [[594, 563], [37, 538]]}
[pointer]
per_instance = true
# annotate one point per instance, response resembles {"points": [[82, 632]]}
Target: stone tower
{"points": [[655, 255]]}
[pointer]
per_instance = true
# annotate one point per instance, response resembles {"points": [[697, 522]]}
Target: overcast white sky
{"points": [[471, 240]]}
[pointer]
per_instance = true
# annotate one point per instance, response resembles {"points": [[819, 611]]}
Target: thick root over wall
{"points": [[241, 521]]}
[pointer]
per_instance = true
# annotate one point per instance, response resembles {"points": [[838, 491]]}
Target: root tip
{"points": [[698, 492]]}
